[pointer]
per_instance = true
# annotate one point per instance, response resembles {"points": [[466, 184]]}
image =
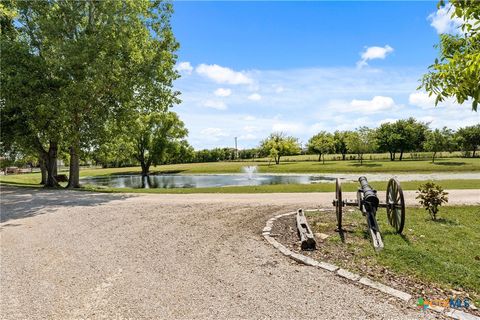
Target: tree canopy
{"points": [[154, 136], [469, 138], [456, 73], [439, 140], [322, 143], [361, 141], [83, 65], [278, 145]]}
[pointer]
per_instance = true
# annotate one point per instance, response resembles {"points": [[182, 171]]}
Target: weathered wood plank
{"points": [[305, 232]]}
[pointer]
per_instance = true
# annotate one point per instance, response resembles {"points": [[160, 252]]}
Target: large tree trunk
{"points": [[55, 168], [323, 159], [145, 168], [343, 156], [401, 155], [433, 158], [319, 157], [51, 163], [74, 170], [43, 169], [277, 160]]}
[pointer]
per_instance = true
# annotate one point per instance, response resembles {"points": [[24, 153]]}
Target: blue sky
{"points": [[250, 68]]}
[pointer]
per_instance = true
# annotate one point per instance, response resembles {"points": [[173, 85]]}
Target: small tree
{"points": [[154, 135], [361, 141], [339, 139], [388, 139], [431, 197], [439, 140], [321, 144], [278, 145], [469, 138]]}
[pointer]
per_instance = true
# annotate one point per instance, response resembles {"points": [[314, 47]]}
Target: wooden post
{"points": [[304, 232]]}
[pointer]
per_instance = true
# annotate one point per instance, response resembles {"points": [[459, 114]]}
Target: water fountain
{"points": [[250, 171]]}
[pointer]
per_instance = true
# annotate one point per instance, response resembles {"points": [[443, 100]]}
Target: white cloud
{"points": [[442, 21], [248, 136], [214, 132], [184, 67], [377, 104], [287, 127], [215, 104], [372, 53], [250, 128], [221, 92], [221, 74], [421, 99], [279, 89], [249, 118], [255, 97]]}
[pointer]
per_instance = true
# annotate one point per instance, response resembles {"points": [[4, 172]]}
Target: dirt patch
{"points": [[347, 255]]}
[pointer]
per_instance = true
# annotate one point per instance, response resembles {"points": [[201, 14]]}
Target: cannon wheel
{"points": [[395, 205], [339, 204]]}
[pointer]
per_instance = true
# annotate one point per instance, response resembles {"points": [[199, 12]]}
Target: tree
{"points": [[155, 135], [401, 136], [439, 140], [117, 152], [361, 141], [469, 138], [388, 139], [339, 139], [278, 145], [108, 57], [321, 144], [457, 73], [31, 112], [181, 152]]}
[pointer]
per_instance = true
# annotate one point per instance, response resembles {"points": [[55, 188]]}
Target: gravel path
{"points": [[87, 255]]}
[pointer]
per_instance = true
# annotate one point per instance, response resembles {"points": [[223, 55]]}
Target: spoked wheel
{"points": [[338, 204], [395, 205]]}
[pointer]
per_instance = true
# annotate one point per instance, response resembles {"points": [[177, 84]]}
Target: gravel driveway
{"points": [[86, 255]]}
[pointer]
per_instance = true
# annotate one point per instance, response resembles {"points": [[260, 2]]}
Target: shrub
{"points": [[431, 197]]}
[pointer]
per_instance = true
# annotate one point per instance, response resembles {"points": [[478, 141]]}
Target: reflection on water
{"points": [[200, 181]]}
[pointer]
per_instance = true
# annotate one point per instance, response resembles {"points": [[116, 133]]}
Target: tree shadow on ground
{"points": [[449, 163], [20, 183], [393, 233], [444, 221], [368, 165], [19, 203]]}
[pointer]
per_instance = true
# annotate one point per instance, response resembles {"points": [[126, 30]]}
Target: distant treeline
{"points": [[392, 139]]}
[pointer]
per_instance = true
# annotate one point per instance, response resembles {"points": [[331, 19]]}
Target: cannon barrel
{"points": [[369, 195]]}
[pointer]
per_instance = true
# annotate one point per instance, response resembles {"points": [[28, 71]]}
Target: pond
{"points": [[201, 181], [250, 177]]}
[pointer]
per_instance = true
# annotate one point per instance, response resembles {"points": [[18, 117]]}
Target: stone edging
{"points": [[266, 233]]}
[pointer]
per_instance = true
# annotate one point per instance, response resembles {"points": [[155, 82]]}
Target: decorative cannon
{"points": [[368, 202]]}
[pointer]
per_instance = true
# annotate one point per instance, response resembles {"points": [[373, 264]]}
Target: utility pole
{"points": [[236, 148]]}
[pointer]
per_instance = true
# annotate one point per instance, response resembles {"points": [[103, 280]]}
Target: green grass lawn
{"points": [[348, 166], [445, 252]]}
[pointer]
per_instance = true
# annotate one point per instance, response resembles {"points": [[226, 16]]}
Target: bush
{"points": [[431, 197]]}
